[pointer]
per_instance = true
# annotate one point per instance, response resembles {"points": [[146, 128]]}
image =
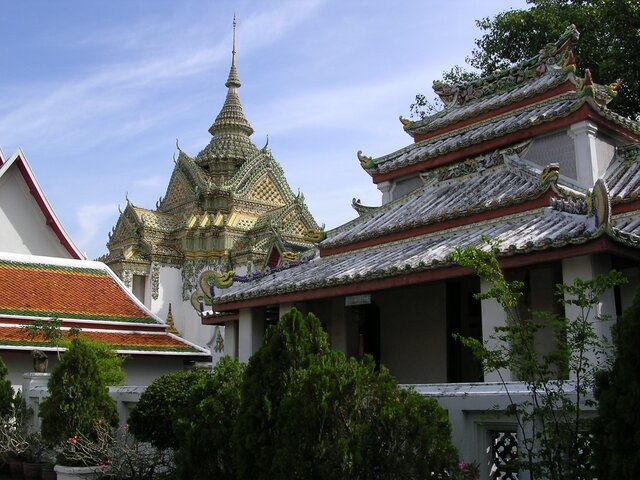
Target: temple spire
{"points": [[230, 143], [233, 80]]}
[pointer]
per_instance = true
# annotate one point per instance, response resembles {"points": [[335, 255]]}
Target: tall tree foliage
{"points": [[6, 391], [609, 31], [617, 428], [288, 346], [78, 395], [309, 412], [205, 424]]}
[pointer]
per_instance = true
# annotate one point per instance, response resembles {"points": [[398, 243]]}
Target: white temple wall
{"points": [[23, 227], [144, 369], [413, 332], [629, 290]]}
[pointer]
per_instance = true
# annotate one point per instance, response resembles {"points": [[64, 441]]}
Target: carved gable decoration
{"points": [[125, 229], [265, 191], [178, 191]]}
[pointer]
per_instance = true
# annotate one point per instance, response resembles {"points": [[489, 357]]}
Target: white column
{"points": [[250, 332], [586, 268], [584, 142], [231, 339], [387, 191], [338, 325], [493, 315], [284, 308]]}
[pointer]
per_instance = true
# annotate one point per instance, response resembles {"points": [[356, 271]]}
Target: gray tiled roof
{"points": [[533, 230], [489, 184], [450, 116], [623, 175], [501, 125]]}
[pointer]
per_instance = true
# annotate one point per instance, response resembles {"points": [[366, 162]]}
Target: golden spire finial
{"points": [[233, 50]]}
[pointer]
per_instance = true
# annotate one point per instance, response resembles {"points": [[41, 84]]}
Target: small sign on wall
{"points": [[354, 300]]}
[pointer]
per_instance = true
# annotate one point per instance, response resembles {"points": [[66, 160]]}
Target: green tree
{"points": [[109, 362], [346, 419], [551, 423], [152, 419], [288, 346], [78, 395], [617, 437], [204, 426], [608, 29], [309, 412]]}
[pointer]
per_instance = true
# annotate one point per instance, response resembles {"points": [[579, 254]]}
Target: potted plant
{"points": [[78, 396]]}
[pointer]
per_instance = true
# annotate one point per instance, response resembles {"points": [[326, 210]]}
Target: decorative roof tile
{"points": [[39, 287], [478, 184], [539, 229], [494, 127], [125, 342], [623, 175], [553, 66]]}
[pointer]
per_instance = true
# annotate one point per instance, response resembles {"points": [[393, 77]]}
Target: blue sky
{"points": [[97, 92]]}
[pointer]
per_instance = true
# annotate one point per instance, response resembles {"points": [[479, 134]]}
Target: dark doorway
{"points": [[464, 317], [367, 318]]}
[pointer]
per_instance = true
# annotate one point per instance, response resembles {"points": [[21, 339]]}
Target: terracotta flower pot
{"points": [[32, 471], [48, 473], [15, 467]]}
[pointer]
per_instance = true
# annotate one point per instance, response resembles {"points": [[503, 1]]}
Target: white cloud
{"points": [[93, 219]]}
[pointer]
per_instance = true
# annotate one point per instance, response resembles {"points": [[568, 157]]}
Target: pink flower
{"points": [[462, 466], [72, 440]]}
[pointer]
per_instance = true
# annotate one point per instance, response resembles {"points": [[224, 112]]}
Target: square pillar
{"points": [[250, 332], [588, 267], [231, 339], [493, 315], [284, 308], [338, 333]]}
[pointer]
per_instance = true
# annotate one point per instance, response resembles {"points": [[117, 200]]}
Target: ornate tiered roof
{"points": [[220, 206], [82, 294], [563, 220], [482, 175]]}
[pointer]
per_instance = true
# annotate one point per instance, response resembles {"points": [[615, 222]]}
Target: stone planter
{"points": [[77, 473]]}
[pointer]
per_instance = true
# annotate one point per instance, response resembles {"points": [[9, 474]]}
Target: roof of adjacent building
{"points": [[82, 294], [484, 184], [19, 161]]}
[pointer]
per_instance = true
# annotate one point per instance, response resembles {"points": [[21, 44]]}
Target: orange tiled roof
{"points": [[142, 341], [86, 291]]}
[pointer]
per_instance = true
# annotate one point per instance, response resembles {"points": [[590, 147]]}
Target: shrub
{"points": [[309, 412], [77, 395], [204, 429], [6, 391], [152, 419], [344, 419], [288, 346]]}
